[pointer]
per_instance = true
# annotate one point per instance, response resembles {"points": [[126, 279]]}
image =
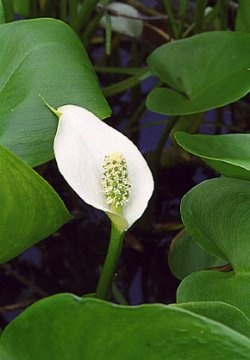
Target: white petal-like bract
{"points": [[129, 24], [81, 144]]}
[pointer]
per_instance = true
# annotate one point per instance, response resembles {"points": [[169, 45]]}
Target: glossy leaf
{"points": [[216, 214], [203, 72], [222, 312], [67, 327], [186, 256], [243, 16], [209, 285], [30, 209], [42, 56], [228, 154]]}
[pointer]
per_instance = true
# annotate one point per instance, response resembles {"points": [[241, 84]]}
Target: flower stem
{"points": [[105, 282]]}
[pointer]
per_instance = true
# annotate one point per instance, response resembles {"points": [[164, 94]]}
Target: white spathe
{"points": [[81, 143], [124, 24]]}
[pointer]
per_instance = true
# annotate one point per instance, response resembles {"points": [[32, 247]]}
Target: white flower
{"points": [[125, 20], [102, 166]]}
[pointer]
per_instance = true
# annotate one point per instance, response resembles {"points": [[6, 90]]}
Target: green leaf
{"points": [[186, 256], [224, 313], [42, 56], [228, 154], [203, 72], [243, 16], [216, 213], [30, 208], [68, 327], [209, 285], [189, 123]]}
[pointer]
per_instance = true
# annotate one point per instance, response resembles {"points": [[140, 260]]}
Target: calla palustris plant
{"points": [[107, 171]]}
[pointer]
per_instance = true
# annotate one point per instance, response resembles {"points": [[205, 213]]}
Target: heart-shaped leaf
{"points": [[30, 209], [216, 213], [203, 72], [186, 256], [222, 312], [42, 56], [228, 154], [68, 327], [209, 285]]}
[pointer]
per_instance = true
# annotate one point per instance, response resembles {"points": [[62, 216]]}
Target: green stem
{"points": [[155, 162], [200, 6], [63, 10], [171, 19], [223, 5], [127, 83], [72, 12], [182, 12], [89, 29], [8, 10], [2, 14], [118, 70], [108, 34], [208, 19], [104, 286], [118, 295], [33, 9], [84, 14], [134, 120]]}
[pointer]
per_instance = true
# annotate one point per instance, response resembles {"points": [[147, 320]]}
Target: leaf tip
{"points": [[53, 110]]}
